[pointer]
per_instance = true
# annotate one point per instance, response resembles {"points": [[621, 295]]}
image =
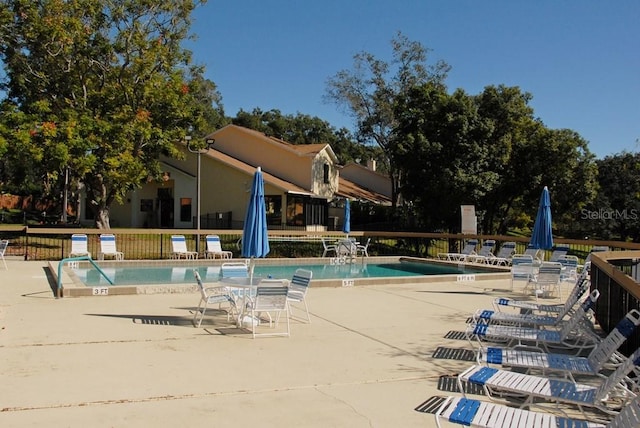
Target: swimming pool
{"points": [[139, 274]]}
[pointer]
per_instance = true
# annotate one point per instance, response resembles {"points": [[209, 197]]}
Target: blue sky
{"points": [[580, 59]]}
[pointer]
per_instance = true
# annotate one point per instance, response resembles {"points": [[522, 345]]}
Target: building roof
{"points": [[349, 189]]}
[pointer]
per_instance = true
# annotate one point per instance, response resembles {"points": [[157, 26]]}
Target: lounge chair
{"points": [[298, 289], [179, 247], [469, 248], [211, 295], [270, 299], [534, 319], [528, 305], [79, 245], [214, 248], [503, 258], [609, 396], [3, 248], [534, 253], [573, 335], [486, 251], [108, 247], [603, 356], [559, 251], [483, 414]]}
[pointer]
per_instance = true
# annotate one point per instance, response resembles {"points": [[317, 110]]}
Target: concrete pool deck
{"points": [[366, 360]]}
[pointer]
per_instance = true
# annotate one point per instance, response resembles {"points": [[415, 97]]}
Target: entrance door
{"points": [[164, 207]]}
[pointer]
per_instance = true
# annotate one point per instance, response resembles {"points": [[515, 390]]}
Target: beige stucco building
{"points": [[303, 185]]}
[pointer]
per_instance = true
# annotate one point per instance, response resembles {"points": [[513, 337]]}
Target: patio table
{"points": [[244, 287]]}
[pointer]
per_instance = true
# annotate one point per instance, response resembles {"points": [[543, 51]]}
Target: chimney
{"points": [[371, 164]]}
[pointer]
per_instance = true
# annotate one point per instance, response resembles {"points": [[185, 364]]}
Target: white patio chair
{"points": [[211, 295], [469, 248], [611, 394], [503, 258], [298, 290], [575, 335], [179, 248], [346, 248], [534, 319], [270, 299], [214, 248], [603, 356], [108, 247], [3, 249], [329, 248], [363, 249], [79, 245], [546, 281], [569, 267], [483, 414], [522, 269]]}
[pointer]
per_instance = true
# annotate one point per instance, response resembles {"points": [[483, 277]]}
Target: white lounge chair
{"points": [[503, 258], [610, 395], [486, 251], [298, 289], [214, 248], [179, 248], [535, 319], [559, 251], [3, 248], [79, 245], [211, 295], [469, 248], [270, 299], [483, 414], [108, 247], [573, 335], [603, 356]]}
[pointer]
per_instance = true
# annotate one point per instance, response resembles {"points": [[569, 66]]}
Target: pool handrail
{"points": [[75, 259]]}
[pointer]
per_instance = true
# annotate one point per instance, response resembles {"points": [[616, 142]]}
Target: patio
{"points": [[366, 360]]}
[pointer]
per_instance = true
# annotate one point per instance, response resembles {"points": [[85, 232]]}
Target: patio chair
{"points": [[559, 251], [329, 248], [528, 305], [346, 248], [486, 251], [79, 245], [236, 270], [179, 248], [483, 414], [534, 319], [108, 247], [521, 269], [603, 356], [298, 290], [614, 392], [211, 295], [270, 299], [469, 248], [214, 248], [3, 249], [363, 250], [569, 267], [546, 280], [574, 335], [503, 258]]}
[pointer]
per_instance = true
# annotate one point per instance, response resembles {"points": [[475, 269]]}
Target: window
{"points": [[185, 209], [274, 210], [326, 173], [295, 211]]}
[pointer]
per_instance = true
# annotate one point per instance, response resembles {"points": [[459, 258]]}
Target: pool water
{"points": [[140, 275]]}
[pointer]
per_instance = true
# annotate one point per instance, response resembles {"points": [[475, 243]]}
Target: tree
{"points": [[106, 88], [370, 91]]}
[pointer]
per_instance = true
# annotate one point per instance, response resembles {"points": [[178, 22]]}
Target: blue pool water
{"points": [[140, 275]]}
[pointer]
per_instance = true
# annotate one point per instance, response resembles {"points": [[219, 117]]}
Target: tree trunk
{"points": [[102, 218]]}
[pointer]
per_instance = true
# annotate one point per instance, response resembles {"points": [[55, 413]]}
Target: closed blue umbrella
{"points": [[542, 235], [346, 225], [255, 242]]}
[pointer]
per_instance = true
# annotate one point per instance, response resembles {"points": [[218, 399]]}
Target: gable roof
{"points": [[351, 190]]}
